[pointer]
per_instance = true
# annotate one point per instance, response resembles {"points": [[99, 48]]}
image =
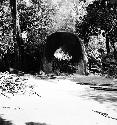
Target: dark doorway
{"points": [[70, 43]]}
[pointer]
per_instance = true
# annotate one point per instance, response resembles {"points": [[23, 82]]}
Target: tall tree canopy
{"points": [[101, 14]]}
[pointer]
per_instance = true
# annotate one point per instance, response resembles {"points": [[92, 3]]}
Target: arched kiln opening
{"points": [[64, 43]]}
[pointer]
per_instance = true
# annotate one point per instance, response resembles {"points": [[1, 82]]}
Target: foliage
{"points": [[98, 16], [38, 18], [6, 36], [64, 16], [62, 55], [11, 83], [66, 13], [96, 46], [101, 16], [35, 20]]}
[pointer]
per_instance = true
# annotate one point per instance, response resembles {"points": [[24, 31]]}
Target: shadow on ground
{"points": [[33, 123], [101, 93], [5, 122]]}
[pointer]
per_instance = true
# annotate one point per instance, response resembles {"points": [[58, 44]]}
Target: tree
{"points": [[101, 14], [16, 33], [35, 19], [18, 17]]}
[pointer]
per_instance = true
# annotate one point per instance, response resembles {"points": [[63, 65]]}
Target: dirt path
{"points": [[60, 102]]}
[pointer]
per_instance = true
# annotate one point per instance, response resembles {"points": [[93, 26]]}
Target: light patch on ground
{"points": [[58, 105]]}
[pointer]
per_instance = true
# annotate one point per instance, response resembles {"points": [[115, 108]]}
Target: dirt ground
{"points": [[60, 100]]}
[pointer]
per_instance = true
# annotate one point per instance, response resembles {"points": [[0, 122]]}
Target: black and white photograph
{"points": [[58, 62]]}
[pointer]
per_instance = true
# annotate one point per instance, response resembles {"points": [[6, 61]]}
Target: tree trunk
{"points": [[16, 33], [115, 51], [85, 58], [107, 44], [13, 14]]}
